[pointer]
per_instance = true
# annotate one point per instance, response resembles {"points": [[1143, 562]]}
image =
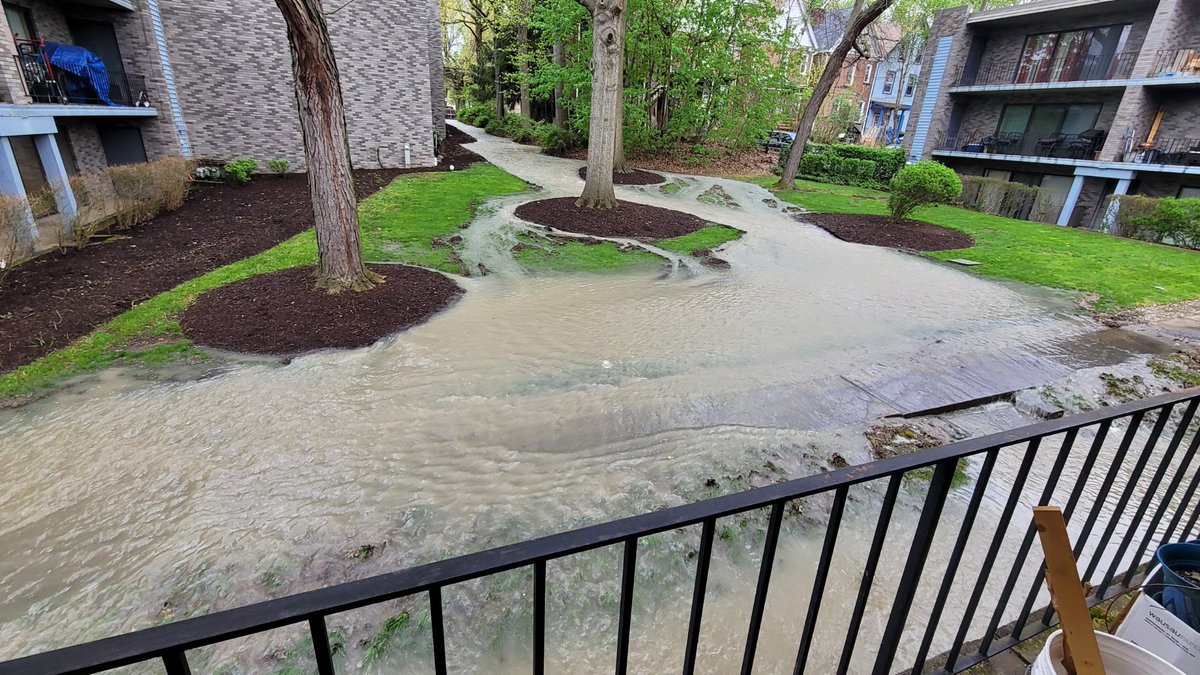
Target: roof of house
{"points": [[880, 37]]}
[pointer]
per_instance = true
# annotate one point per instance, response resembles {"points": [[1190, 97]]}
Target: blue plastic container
{"points": [[1181, 597]]}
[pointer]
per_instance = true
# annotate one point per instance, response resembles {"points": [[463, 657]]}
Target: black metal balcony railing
{"points": [[46, 84], [1122, 498], [1173, 151], [1037, 71], [1066, 146], [1184, 62]]}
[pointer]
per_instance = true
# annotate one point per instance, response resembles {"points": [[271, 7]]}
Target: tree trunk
{"points": [[824, 84], [560, 110], [523, 56], [481, 77], [496, 75], [606, 88], [326, 149], [619, 165]]}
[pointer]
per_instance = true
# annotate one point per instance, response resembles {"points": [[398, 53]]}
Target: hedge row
{"points": [[1163, 221], [1010, 200], [857, 165]]}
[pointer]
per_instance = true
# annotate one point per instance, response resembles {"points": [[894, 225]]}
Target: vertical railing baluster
{"points": [[1018, 564], [818, 591], [322, 651], [914, 566], [628, 572], [960, 545], [1163, 466], [1072, 501], [1185, 468], [985, 570], [703, 559], [1126, 494], [539, 617], [439, 630], [868, 575], [176, 663], [764, 583], [1187, 530]]}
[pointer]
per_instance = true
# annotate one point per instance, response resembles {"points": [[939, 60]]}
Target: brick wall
{"points": [[85, 145], [1181, 114], [437, 74], [946, 23], [233, 73]]}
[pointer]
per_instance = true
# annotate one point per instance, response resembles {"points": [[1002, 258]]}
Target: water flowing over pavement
{"points": [[536, 403]]}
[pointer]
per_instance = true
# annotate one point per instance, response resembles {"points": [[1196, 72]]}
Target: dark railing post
{"points": [[818, 591], [176, 663], [628, 573], [868, 576], [539, 617], [439, 630], [764, 582], [322, 652], [914, 567], [703, 558]]}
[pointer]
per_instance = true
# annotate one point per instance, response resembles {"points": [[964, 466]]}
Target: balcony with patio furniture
{"points": [[1037, 72], [67, 75]]}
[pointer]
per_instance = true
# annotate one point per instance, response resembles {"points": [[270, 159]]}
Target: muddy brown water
{"points": [[535, 404]]}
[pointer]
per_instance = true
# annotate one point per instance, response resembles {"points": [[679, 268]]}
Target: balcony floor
{"points": [[1064, 161], [30, 110]]}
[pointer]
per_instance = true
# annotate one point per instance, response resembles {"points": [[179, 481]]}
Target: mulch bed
{"points": [[635, 177], [909, 235], [628, 220], [53, 300], [283, 313]]}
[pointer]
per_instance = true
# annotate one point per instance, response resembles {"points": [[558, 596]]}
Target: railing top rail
{"points": [[237, 622]]}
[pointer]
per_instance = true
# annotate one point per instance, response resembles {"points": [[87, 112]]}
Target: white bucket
{"points": [[1121, 657]]}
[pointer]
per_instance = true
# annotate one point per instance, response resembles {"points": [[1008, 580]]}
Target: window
{"points": [[1034, 123], [1189, 193], [20, 22], [862, 110], [1088, 54], [911, 86], [850, 73], [889, 81], [867, 74]]}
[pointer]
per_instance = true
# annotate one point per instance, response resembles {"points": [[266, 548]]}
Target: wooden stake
{"points": [[1066, 593]]}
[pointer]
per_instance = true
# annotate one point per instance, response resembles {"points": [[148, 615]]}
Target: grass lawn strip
{"points": [[447, 202], [1121, 272]]}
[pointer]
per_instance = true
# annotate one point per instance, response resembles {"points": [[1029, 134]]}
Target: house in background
{"points": [[1086, 98], [210, 80], [859, 71], [892, 91]]}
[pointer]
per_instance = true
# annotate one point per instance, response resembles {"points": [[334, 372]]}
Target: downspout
{"points": [[160, 38]]}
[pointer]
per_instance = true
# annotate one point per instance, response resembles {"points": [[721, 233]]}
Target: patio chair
{"points": [[1085, 144], [1047, 145]]}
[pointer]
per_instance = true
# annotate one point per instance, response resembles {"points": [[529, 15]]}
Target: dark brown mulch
{"points": [[48, 302], [635, 177], [911, 235], [283, 313], [629, 220]]}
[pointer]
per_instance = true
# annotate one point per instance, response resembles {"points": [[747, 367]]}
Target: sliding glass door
{"points": [[1071, 56]]}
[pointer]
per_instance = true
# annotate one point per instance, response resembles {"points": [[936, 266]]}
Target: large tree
{"points": [[860, 18], [607, 61], [326, 149]]}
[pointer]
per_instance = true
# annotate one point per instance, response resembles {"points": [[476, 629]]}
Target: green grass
{"points": [[709, 237], [1121, 272], [574, 256], [400, 222], [410, 212]]}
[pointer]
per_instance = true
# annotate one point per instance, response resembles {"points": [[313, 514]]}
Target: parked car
{"points": [[778, 140], [449, 112]]}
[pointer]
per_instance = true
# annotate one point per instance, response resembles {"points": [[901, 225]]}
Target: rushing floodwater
{"points": [[534, 404]]}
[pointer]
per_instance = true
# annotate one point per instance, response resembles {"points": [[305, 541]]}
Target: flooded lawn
{"points": [[535, 404]]}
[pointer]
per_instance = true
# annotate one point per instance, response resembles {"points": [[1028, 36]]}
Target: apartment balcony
{"points": [[108, 92], [1067, 72], [1175, 68], [1165, 155]]}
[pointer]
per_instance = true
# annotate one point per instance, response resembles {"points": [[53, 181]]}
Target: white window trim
{"points": [[868, 73], [850, 76]]}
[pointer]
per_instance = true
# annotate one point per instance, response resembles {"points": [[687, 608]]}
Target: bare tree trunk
{"points": [[619, 165], [560, 110], [480, 66], [523, 56], [606, 88], [496, 75], [326, 149], [824, 84]]}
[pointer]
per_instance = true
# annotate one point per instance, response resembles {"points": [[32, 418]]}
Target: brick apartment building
{"points": [[857, 74], [1086, 98], [210, 80]]}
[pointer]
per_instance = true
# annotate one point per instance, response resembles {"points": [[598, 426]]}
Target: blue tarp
{"points": [[86, 77]]}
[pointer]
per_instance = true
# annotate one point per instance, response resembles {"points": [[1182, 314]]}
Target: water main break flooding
{"points": [[537, 403]]}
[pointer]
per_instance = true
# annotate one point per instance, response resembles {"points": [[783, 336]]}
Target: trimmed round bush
{"points": [[922, 184]]}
